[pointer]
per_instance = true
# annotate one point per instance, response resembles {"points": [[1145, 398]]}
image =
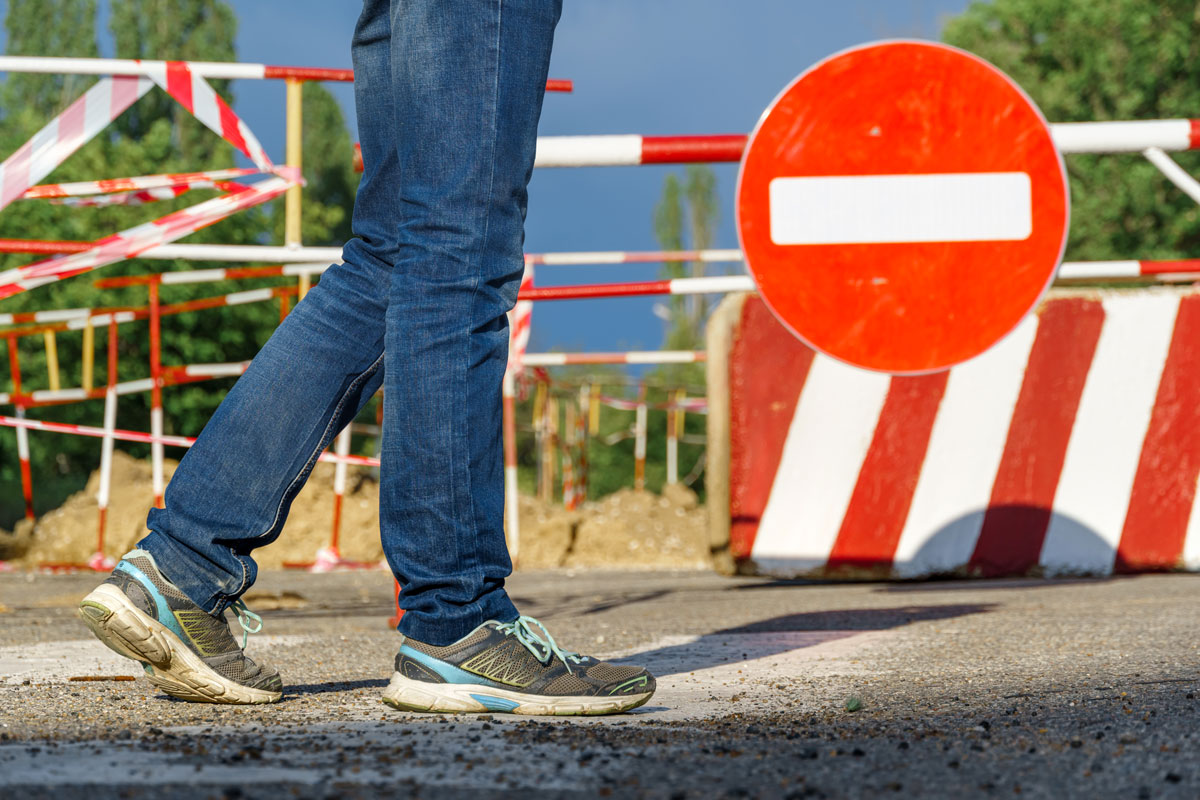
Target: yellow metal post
{"points": [[52, 360], [594, 411], [295, 138], [89, 356]]}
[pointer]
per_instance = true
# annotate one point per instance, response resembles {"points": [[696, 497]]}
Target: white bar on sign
{"points": [[879, 209]]}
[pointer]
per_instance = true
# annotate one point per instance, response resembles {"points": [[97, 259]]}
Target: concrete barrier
{"points": [[1072, 447]]}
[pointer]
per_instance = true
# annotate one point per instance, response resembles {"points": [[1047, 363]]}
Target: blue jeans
{"points": [[448, 94]]}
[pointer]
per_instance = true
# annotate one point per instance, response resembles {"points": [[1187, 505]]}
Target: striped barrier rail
{"points": [[212, 70], [315, 260], [1071, 447], [72, 319], [629, 150], [145, 437]]}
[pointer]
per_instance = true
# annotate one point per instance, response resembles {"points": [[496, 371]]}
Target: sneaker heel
{"points": [[116, 623]]}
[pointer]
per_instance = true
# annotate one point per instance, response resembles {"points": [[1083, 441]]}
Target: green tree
{"points": [[1084, 60], [70, 31], [686, 218]]}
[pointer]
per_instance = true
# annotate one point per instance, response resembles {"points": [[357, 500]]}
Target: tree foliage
{"points": [[686, 218], [1084, 60]]}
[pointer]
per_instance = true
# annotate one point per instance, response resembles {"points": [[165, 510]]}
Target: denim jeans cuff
{"points": [[442, 630]]}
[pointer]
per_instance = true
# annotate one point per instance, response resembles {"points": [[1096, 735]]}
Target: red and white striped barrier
{"points": [[66, 133], [164, 181], [211, 275], [98, 561], [632, 357], [88, 116], [133, 241], [191, 252], [520, 327], [520, 323], [140, 197], [1072, 447], [315, 260], [14, 367], [213, 70], [633, 149], [1179, 269], [80, 318], [717, 284], [141, 437], [633, 257], [695, 405], [170, 376], [193, 92]]}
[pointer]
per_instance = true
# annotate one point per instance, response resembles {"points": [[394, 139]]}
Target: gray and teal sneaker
{"points": [[185, 651], [510, 668]]}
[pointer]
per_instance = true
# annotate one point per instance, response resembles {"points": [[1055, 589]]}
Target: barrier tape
{"points": [[67, 132], [133, 241], [145, 438], [144, 196], [65, 135], [520, 321], [161, 181], [202, 102]]}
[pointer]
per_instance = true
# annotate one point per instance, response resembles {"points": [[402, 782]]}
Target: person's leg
{"points": [[232, 491], [468, 78], [164, 603]]}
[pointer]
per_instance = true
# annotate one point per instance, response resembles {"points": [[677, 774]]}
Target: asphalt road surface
{"points": [[1083, 688]]}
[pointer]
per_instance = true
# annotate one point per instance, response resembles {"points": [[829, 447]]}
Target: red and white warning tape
{"points": [[145, 438], [144, 196], [66, 133], [130, 243], [520, 321], [168, 180], [214, 70], [90, 114], [196, 95]]}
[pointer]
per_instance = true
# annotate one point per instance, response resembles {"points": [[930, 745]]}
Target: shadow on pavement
{"points": [[332, 686], [960, 584], [785, 634]]}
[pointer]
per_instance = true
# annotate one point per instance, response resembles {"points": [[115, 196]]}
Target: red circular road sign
{"points": [[902, 206]]}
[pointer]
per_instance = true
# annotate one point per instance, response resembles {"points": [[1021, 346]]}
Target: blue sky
{"points": [[639, 66]]}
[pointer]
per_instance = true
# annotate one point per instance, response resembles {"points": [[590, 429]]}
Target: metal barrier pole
{"points": [[292, 219]]}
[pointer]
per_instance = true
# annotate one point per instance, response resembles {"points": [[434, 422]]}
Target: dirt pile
{"points": [[628, 529]]}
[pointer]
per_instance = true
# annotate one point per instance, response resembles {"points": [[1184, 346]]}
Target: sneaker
{"points": [[184, 650], [508, 667]]}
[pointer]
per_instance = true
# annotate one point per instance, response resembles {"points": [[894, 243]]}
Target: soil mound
{"points": [[629, 529]]}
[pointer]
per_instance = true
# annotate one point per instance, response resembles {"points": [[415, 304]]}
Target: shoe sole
{"points": [[168, 663], [406, 694]]}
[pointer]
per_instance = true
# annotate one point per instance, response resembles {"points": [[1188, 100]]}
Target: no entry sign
{"points": [[902, 206]]}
